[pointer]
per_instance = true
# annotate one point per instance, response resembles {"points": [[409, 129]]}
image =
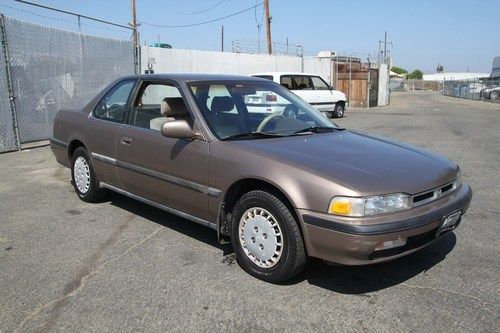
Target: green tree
{"points": [[399, 70], [416, 74]]}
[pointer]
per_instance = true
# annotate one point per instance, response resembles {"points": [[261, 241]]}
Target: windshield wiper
{"points": [[251, 135], [319, 129]]}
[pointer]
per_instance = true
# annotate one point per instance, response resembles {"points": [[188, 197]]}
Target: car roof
{"points": [[284, 73], [188, 77]]}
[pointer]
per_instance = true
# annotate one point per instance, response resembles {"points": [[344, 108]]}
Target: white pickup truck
{"points": [[311, 88]]}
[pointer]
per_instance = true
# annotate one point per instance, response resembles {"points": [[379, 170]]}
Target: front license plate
{"points": [[449, 222]]}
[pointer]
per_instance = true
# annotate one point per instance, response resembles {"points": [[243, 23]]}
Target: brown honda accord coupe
{"points": [[282, 184]]}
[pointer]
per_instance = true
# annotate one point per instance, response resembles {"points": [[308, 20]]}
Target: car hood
{"points": [[365, 163]]}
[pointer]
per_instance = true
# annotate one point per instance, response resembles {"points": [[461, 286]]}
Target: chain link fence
{"points": [[8, 138], [487, 89], [52, 69]]}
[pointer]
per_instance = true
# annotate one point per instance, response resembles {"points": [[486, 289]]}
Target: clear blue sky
{"points": [[457, 33]]}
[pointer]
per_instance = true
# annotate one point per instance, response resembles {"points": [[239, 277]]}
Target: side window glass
{"points": [[286, 81], [302, 82], [113, 105], [156, 105], [318, 83]]}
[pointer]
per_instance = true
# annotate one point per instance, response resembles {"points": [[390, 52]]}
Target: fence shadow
{"points": [[356, 280]]}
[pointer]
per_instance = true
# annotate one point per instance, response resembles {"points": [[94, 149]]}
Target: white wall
{"points": [[453, 76], [495, 69], [194, 61]]}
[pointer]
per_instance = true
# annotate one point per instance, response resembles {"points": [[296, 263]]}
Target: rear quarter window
{"points": [[267, 77]]}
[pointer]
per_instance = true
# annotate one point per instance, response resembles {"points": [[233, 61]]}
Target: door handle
{"points": [[126, 141]]}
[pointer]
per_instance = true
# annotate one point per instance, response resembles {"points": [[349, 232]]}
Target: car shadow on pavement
{"points": [[184, 226], [359, 280]]}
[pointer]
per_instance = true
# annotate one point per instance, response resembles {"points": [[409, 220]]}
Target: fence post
{"points": [[368, 86], [10, 87]]}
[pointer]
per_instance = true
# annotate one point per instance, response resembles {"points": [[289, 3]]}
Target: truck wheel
{"points": [[83, 177], [338, 111], [266, 238]]}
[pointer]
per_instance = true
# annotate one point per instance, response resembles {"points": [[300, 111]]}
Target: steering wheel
{"points": [[291, 111], [268, 119]]}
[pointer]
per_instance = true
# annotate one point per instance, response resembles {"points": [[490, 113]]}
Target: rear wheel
{"points": [[266, 237], [493, 95], [83, 177], [338, 111]]}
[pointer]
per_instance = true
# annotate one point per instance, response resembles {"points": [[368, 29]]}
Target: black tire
{"points": [[293, 256], [338, 111], [94, 192], [493, 95]]}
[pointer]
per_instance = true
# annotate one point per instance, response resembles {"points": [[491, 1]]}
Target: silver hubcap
{"points": [[81, 174], [261, 237]]}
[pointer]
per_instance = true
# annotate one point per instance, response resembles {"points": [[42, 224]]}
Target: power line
{"points": [[61, 19], [72, 13], [197, 12], [201, 23], [259, 24], [32, 13]]}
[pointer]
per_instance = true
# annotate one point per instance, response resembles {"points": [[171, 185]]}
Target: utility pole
{"points": [[384, 52], [268, 27], [222, 39], [134, 23], [135, 39]]}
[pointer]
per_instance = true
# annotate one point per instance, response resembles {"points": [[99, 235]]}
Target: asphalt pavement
{"points": [[123, 266]]}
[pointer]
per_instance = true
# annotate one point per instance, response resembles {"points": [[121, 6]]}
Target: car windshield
{"points": [[255, 110]]}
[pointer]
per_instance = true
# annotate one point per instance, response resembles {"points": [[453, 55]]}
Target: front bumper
{"points": [[353, 241]]}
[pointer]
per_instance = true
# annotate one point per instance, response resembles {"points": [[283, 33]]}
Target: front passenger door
{"points": [[324, 94], [168, 171]]}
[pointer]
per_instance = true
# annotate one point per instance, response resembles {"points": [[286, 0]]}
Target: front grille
{"points": [[434, 194]]}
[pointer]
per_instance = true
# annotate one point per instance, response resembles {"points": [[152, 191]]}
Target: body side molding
{"points": [[160, 206]]}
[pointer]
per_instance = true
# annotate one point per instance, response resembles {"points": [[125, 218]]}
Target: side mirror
{"points": [[179, 129]]}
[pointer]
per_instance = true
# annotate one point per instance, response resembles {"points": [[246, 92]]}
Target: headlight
{"points": [[458, 181], [372, 205]]}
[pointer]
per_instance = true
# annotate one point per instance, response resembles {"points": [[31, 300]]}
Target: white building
{"points": [[495, 70], [453, 76]]}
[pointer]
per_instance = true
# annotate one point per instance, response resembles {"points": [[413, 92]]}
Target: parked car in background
{"points": [[281, 187], [311, 88], [492, 92]]}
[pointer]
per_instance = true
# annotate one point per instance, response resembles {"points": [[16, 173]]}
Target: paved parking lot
{"points": [[123, 266]]}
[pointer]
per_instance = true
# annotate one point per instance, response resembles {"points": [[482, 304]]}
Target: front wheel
{"points": [[493, 95], [338, 111], [84, 178], [266, 237]]}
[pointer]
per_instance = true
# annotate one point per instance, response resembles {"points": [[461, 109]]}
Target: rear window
{"points": [[267, 77]]}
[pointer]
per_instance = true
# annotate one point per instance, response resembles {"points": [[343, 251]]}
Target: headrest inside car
{"points": [[173, 106], [222, 104]]}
